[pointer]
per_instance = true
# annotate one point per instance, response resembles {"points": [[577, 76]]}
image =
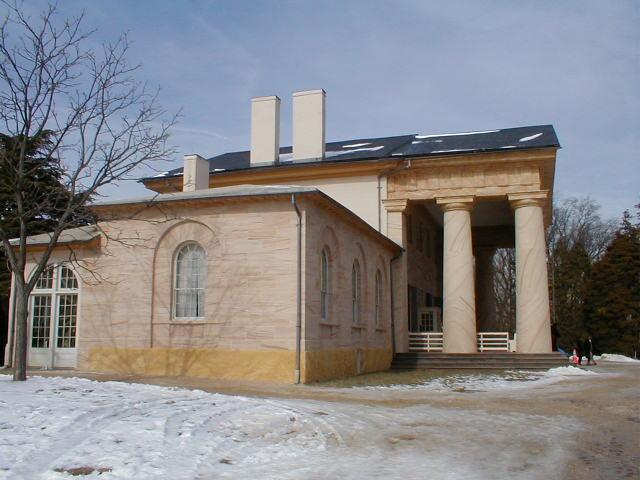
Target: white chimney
{"points": [[265, 130], [308, 124], [195, 174]]}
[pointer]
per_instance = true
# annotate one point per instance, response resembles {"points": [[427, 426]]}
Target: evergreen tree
{"points": [[572, 274], [613, 297], [44, 181]]}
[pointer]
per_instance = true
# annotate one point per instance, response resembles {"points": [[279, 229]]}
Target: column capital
{"points": [[449, 204], [395, 204], [528, 199]]}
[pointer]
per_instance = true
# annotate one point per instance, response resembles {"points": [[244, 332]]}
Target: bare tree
{"points": [[100, 122], [577, 221], [504, 285], [576, 225]]}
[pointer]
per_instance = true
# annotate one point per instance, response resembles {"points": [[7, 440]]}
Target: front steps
{"points": [[478, 361]]}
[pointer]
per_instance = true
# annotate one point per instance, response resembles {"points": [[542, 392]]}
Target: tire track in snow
{"points": [[82, 428]]}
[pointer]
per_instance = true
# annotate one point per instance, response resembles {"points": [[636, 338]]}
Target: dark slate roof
{"points": [[539, 136]]}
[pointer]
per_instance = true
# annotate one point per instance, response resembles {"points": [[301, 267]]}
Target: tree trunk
{"points": [[21, 323]]}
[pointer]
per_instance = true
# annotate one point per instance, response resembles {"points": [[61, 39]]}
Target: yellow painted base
{"points": [[274, 366], [263, 365], [330, 364]]}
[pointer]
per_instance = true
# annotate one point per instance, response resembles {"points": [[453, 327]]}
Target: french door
{"points": [[54, 319]]}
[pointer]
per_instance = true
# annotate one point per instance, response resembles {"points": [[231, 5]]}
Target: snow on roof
{"points": [[454, 134], [421, 145], [531, 137], [335, 153]]}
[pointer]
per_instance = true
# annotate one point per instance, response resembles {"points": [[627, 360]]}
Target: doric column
{"points": [[459, 316], [396, 231], [485, 294], [533, 326]]}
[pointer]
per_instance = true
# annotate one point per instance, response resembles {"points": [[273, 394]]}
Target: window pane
{"points": [[378, 299], [41, 321], [68, 279], [355, 292], [67, 318], [45, 281], [189, 281], [324, 285]]}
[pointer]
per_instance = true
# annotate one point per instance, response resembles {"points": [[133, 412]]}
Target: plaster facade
{"points": [[248, 329], [425, 227]]}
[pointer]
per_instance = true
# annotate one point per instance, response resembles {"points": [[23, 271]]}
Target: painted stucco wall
{"points": [[337, 347], [358, 193], [248, 328], [424, 253]]}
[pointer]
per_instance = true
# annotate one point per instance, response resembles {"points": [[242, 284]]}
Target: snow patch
{"points": [[526, 139], [508, 380], [453, 150], [416, 142], [419, 137], [345, 152], [356, 145], [568, 372], [614, 357]]}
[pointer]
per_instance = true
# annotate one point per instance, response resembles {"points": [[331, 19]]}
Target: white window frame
{"points": [[201, 288], [356, 293], [378, 294], [325, 285], [55, 292]]}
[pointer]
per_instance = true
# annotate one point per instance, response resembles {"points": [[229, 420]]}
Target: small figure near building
{"points": [[588, 350]]}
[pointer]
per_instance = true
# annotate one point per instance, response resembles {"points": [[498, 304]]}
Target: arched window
{"points": [[188, 285], [324, 285], [355, 292], [378, 300]]}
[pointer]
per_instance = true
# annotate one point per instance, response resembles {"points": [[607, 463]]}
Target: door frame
{"points": [[54, 356]]}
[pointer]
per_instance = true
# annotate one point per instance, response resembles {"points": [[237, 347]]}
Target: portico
{"points": [[496, 202]]}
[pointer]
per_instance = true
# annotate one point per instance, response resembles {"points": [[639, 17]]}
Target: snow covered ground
{"points": [[52, 425]]}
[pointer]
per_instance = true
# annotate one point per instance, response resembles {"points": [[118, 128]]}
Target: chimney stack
{"points": [[195, 174], [265, 130], [308, 124]]}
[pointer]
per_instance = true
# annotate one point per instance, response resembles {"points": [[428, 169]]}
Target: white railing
{"points": [[487, 342], [425, 342], [493, 341]]}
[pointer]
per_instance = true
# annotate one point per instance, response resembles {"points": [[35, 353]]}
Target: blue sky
{"points": [[397, 67]]}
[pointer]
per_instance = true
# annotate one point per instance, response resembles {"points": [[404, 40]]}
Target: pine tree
{"points": [[572, 273], [44, 177], [613, 297]]}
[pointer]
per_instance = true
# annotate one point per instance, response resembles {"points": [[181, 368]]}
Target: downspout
{"points": [[402, 165], [393, 322], [298, 289]]}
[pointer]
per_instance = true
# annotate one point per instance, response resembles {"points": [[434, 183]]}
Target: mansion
{"points": [[305, 263]]}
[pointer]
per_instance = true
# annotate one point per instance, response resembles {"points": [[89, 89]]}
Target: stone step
{"points": [[479, 367], [482, 359], [481, 354], [453, 362], [477, 361]]}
